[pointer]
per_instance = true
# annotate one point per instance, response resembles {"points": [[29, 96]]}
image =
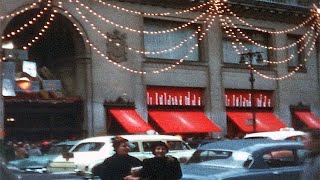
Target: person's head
{"points": [[312, 140], [120, 145], [159, 149]]}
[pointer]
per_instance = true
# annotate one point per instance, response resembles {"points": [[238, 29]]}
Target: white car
{"points": [[283, 134], [92, 151]]}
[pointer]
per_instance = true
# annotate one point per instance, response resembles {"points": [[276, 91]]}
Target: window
{"points": [[85, 147], [165, 41], [232, 57], [134, 147], [298, 58], [280, 158]]}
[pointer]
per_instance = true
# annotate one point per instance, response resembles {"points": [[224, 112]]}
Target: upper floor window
{"points": [[296, 57], [165, 41], [230, 55]]}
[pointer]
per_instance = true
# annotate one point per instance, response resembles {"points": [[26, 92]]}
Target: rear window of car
{"points": [[90, 146], [203, 155], [173, 145]]}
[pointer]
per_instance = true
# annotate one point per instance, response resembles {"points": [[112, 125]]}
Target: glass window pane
{"points": [[165, 41]]}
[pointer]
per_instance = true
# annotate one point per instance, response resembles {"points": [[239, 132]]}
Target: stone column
{"points": [[84, 88], [215, 89]]}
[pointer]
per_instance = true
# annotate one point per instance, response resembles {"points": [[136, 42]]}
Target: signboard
{"points": [[244, 98], [176, 96]]}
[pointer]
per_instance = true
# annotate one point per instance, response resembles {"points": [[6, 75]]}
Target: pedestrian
{"points": [[9, 151], [161, 166], [21, 152], [34, 150], [118, 166], [311, 170]]}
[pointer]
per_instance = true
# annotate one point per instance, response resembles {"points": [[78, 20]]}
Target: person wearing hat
{"points": [[160, 167], [118, 166]]}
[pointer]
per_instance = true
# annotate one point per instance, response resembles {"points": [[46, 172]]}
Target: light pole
{"points": [[247, 58]]}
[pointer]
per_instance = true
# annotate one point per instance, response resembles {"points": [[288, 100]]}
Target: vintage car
{"points": [[246, 159], [282, 134], [40, 163], [93, 151]]}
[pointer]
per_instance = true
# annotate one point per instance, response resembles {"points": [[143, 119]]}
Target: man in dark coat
{"points": [[160, 167]]}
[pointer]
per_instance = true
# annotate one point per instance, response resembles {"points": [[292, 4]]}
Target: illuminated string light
{"points": [[32, 6], [26, 25], [42, 31], [292, 72], [117, 64], [153, 14], [231, 34], [263, 46], [87, 8], [133, 49], [268, 31]]}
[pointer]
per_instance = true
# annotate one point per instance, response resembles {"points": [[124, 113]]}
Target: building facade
{"points": [[114, 56]]}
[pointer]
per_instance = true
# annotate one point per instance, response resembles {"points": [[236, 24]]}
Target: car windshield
{"points": [[220, 158], [58, 149]]}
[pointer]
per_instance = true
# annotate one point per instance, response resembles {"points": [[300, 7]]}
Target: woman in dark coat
{"points": [[118, 166], [160, 167]]}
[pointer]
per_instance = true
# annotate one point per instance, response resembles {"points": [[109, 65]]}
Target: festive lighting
{"points": [[134, 49], [135, 30], [42, 31], [153, 14], [26, 25], [34, 5], [268, 31]]}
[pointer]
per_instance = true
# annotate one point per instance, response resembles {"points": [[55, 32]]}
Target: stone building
{"points": [[115, 67]]}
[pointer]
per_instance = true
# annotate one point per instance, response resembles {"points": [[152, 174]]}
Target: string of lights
{"points": [[153, 14], [8, 16], [42, 31], [26, 25], [293, 71], [303, 24], [134, 49], [232, 34], [245, 36], [87, 8]]}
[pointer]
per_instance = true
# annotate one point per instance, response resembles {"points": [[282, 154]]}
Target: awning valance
{"points": [[265, 121], [171, 121], [308, 118], [130, 120]]}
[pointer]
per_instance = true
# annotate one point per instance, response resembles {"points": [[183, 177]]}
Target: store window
{"points": [[296, 57], [165, 41], [231, 56]]}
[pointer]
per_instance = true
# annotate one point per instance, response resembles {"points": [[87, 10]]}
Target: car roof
{"points": [[247, 145], [133, 138], [276, 135]]}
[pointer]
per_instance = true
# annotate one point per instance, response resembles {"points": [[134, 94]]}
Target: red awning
{"points": [[308, 118], [265, 121], [183, 121], [130, 120]]}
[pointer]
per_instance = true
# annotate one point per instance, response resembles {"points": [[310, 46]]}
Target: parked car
{"points": [[283, 134], [41, 162], [92, 151], [246, 159]]}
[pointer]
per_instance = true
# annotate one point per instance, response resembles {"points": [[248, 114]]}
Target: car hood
{"points": [[32, 162], [199, 172]]}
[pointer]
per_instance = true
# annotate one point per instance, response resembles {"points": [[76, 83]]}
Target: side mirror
{"points": [[67, 155]]}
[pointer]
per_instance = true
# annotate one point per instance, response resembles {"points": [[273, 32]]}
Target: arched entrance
{"points": [[53, 108]]}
